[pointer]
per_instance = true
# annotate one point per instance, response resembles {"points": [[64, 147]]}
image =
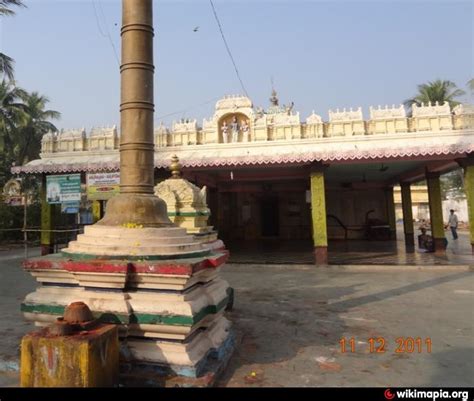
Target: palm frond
{"points": [[470, 84], [435, 91], [6, 66], [5, 6]]}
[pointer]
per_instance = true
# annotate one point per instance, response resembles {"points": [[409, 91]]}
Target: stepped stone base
{"points": [[170, 312], [203, 374], [148, 314], [134, 243]]}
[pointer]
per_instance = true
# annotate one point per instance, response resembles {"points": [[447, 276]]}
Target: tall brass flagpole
{"points": [[136, 203]]}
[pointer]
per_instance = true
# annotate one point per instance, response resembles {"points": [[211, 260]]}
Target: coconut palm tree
{"points": [[31, 128], [436, 91], [6, 63], [470, 85], [12, 112]]}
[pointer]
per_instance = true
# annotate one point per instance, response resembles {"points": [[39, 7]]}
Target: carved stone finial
{"points": [[175, 167]]}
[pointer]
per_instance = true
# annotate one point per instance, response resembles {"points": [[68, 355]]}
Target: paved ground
{"points": [[14, 285], [290, 320], [352, 252]]}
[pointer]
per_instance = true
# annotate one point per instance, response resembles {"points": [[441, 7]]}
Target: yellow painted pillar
{"points": [[318, 215], [436, 211], [96, 211], [47, 212], [392, 220], [469, 189], [408, 228]]}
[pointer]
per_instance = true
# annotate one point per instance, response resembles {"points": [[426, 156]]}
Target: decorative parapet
{"points": [[235, 114], [345, 115], [431, 109], [387, 120], [71, 140], [162, 136], [346, 122], [209, 132], [463, 108], [386, 113], [287, 119], [184, 132], [432, 117], [463, 117], [49, 143], [286, 126], [314, 127], [103, 138], [233, 102]]}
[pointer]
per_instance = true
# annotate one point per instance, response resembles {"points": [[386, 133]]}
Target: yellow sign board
{"points": [[102, 186]]}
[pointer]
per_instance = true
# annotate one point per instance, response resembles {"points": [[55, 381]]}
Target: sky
{"points": [[320, 54]]}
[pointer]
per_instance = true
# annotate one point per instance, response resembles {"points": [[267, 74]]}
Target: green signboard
{"points": [[63, 188]]}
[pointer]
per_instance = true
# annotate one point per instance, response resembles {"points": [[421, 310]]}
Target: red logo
{"points": [[388, 394]]}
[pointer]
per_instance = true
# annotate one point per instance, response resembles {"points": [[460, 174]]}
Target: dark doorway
{"points": [[269, 213]]}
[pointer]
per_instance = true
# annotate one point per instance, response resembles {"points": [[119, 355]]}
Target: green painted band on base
{"points": [[134, 318], [86, 256]]}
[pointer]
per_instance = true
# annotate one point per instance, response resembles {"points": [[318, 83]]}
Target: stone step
{"points": [[185, 250], [123, 232], [178, 354], [120, 241]]}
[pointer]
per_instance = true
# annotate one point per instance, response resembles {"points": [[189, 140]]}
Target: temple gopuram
{"points": [[272, 174]]}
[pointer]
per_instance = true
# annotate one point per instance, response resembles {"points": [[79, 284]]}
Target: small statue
{"points": [[235, 129], [225, 132], [289, 108], [245, 131]]}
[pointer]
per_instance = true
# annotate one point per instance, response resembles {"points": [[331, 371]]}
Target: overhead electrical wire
{"points": [[188, 108], [107, 33], [228, 48]]}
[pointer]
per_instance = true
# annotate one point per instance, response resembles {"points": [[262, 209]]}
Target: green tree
{"points": [[31, 128], [452, 184], [12, 113], [436, 91], [470, 85], [6, 63]]}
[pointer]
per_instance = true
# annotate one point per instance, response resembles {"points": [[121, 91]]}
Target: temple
{"points": [[271, 174]]}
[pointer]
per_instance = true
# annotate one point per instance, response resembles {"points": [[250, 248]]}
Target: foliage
{"points": [[5, 6], [32, 126], [6, 63], [470, 85], [452, 184], [24, 119], [11, 217], [436, 91]]}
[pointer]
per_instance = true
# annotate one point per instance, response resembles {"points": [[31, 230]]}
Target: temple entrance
{"points": [[269, 217]]}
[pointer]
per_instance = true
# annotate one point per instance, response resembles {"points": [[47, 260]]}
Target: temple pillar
{"points": [[469, 188], [468, 167], [96, 211], [408, 228], [47, 214], [392, 221], [436, 212], [318, 215]]}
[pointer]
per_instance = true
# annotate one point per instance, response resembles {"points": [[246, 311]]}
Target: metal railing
{"points": [[62, 236]]}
